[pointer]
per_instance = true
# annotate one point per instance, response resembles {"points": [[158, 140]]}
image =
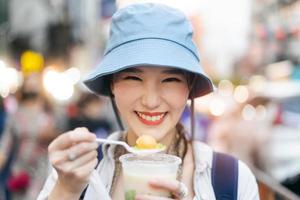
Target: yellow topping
{"points": [[146, 142]]}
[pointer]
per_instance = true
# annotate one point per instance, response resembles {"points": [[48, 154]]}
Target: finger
{"points": [[81, 173], [171, 185], [82, 148], [84, 172], [84, 159], [150, 197], [68, 139], [59, 157], [177, 188]]}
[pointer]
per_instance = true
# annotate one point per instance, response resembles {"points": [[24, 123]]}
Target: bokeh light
{"points": [[58, 84], [10, 79], [73, 74], [31, 62], [248, 112], [241, 94], [217, 107], [225, 88], [261, 112], [257, 83]]}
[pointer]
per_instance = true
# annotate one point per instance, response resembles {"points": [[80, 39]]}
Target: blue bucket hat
{"points": [[149, 35]]}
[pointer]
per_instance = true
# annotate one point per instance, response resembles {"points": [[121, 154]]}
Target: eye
{"points": [[172, 79], [134, 78]]}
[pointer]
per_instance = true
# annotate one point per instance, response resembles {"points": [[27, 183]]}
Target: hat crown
{"points": [[151, 35], [142, 21]]}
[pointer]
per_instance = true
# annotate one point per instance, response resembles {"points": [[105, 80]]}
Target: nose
{"points": [[151, 98]]}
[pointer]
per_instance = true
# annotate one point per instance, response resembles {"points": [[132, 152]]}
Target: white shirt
{"points": [[101, 178]]}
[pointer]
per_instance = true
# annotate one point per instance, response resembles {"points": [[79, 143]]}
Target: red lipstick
{"points": [[151, 118]]}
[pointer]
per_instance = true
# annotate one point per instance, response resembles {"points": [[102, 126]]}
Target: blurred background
{"points": [[250, 48]]}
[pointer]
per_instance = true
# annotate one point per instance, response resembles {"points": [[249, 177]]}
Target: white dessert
{"points": [[139, 182]]}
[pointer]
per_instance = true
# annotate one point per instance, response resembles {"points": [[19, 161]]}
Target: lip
{"points": [[160, 116]]}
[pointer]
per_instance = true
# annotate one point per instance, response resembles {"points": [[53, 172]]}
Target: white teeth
{"points": [[150, 118]]}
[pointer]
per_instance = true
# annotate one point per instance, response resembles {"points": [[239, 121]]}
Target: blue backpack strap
{"points": [[224, 176]]}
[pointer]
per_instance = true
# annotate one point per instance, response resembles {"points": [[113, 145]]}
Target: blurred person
{"points": [[27, 133], [243, 138], [285, 142], [150, 70], [90, 115], [2, 116], [3, 172]]}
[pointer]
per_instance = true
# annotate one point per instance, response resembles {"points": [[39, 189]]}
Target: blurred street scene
{"points": [[250, 49]]}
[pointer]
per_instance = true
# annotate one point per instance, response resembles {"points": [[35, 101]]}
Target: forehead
{"points": [[156, 69]]}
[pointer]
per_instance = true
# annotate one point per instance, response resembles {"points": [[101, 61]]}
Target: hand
{"points": [[178, 189], [74, 156]]}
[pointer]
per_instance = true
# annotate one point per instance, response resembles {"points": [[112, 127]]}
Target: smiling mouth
{"points": [[151, 118]]}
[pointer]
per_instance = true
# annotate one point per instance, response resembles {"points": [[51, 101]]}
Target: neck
{"points": [[166, 140]]}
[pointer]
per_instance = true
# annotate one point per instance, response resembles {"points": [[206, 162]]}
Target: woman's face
{"points": [[150, 99]]}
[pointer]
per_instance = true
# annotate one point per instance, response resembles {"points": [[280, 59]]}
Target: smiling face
{"points": [[150, 99]]}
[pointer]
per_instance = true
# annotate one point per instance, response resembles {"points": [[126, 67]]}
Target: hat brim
{"points": [[148, 52]]}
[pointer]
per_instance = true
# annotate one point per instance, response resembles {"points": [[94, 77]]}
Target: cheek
{"points": [[177, 96], [124, 94]]}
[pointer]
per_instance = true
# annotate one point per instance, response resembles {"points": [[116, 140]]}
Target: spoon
{"points": [[129, 148]]}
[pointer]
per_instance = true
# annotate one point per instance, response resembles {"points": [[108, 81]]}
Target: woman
{"points": [[150, 69]]}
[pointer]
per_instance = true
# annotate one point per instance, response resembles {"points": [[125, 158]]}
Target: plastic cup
{"points": [[139, 170]]}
